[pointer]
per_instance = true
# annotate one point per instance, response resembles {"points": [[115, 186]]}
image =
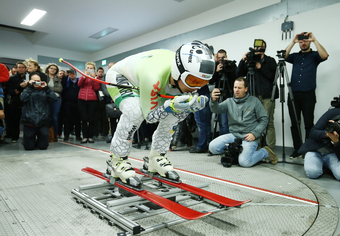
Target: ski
{"points": [[198, 191], [176, 208]]}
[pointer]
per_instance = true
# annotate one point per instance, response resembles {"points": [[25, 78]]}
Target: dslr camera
{"points": [[331, 127], [228, 66], [231, 153]]}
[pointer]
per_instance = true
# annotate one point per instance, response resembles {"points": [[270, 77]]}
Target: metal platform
{"points": [[36, 198]]}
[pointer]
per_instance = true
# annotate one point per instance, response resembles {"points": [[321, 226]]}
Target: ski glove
{"points": [[185, 103]]}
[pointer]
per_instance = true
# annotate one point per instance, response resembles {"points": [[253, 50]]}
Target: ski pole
{"points": [[107, 83], [100, 81]]}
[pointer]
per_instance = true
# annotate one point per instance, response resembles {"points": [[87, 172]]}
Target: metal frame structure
{"points": [[121, 209]]}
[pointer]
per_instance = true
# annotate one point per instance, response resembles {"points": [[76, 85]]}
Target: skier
{"points": [[156, 72]]}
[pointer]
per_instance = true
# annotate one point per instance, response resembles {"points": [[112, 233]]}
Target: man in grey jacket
{"points": [[247, 120]]}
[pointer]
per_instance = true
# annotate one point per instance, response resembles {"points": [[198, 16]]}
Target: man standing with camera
{"points": [[322, 147], [303, 84], [263, 68], [247, 121], [224, 78]]}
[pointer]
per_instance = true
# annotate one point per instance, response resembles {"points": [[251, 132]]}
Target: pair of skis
{"points": [[176, 208]]}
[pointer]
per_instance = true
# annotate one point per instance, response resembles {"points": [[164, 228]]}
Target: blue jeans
{"points": [[315, 161], [203, 121], [223, 123], [247, 158], [54, 113]]}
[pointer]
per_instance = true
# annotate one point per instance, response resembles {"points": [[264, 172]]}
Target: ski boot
{"points": [[120, 168], [159, 164]]}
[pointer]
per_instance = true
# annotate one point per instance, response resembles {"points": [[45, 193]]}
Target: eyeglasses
{"points": [[195, 82]]}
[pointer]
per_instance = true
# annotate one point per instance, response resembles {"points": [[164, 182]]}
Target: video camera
{"points": [[333, 126], [335, 102], [228, 66], [252, 57], [231, 153]]}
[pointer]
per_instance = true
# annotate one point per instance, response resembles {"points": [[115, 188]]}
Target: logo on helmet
{"points": [[191, 52]]}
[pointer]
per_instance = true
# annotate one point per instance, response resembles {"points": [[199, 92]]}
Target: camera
{"points": [[231, 153], [36, 83], [333, 126], [336, 102], [252, 58], [281, 54], [302, 37], [228, 66]]}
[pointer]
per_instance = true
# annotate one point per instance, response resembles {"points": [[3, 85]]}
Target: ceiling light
{"points": [[33, 17], [103, 33]]}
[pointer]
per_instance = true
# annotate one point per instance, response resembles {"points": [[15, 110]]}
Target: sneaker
{"points": [[84, 140], [196, 150], [295, 155], [272, 158], [14, 141]]}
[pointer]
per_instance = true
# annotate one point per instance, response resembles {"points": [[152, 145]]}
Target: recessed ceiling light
{"points": [[33, 17], [103, 33]]}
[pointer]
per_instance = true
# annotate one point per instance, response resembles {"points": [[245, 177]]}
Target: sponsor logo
{"points": [[154, 95], [130, 133], [190, 54]]}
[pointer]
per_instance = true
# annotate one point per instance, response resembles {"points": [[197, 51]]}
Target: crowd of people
{"points": [[242, 97], [53, 104]]}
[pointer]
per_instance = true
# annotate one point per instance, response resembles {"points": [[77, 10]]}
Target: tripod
{"points": [[281, 73], [251, 79], [222, 86]]}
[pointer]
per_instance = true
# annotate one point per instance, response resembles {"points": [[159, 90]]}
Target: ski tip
{"points": [[202, 215]]}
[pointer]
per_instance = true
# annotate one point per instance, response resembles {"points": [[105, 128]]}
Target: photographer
{"points": [[264, 68], [303, 83], [247, 121], [35, 117], [322, 148], [224, 78]]}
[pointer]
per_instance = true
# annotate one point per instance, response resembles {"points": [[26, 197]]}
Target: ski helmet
{"points": [[194, 64]]}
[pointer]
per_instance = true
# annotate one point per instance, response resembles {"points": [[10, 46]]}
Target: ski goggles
{"points": [[194, 82]]}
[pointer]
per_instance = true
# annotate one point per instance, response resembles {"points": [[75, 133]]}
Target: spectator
{"points": [[4, 77], [264, 76], [203, 121], [54, 83], [101, 127], [13, 71], [70, 105], [35, 113], [223, 78], [303, 84], [2, 117], [33, 66], [322, 147], [62, 76], [15, 86], [88, 101], [247, 121]]}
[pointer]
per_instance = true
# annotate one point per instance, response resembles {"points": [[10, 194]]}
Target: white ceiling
{"points": [[69, 23]]}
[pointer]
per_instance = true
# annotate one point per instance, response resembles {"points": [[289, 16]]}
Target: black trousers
{"points": [[87, 110], [304, 103], [15, 122], [101, 125], [35, 137], [71, 118]]}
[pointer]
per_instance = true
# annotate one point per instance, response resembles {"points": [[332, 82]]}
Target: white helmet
{"points": [[194, 59]]}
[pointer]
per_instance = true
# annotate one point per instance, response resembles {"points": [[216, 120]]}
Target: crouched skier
{"points": [[156, 72]]}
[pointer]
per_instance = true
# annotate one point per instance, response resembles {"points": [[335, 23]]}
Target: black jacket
{"points": [[264, 77], [12, 84], [317, 137], [70, 90], [36, 109]]}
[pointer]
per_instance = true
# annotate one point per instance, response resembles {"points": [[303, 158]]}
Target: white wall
{"points": [[16, 45], [227, 11], [323, 23]]}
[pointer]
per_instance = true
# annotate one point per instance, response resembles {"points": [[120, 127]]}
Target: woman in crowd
{"points": [[54, 83], [33, 66], [87, 103]]}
